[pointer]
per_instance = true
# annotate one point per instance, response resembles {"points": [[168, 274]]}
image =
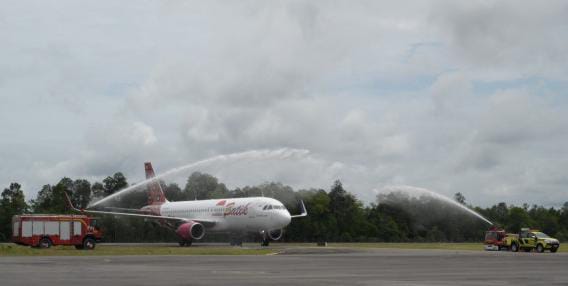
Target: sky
{"points": [[450, 96]]}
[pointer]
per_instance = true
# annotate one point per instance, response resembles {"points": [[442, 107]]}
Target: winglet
{"points": [[70, 203], [303, 210]]}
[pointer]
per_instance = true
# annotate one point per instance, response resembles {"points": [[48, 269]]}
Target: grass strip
{"points": [[17, 250], [421, 245], [249, 249]]}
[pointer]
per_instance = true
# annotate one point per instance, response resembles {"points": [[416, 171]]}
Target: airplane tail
{"points": [[155, 193]]}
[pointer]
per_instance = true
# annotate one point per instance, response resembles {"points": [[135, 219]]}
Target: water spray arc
{"points": [[284, 153], [414, 191]]}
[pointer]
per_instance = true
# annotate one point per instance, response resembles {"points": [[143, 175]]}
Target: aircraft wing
{"points": [[303, 209], [205, 222], [136, 211]]}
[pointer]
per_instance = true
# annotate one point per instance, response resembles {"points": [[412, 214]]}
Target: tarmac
{"points": [[294, 266]]}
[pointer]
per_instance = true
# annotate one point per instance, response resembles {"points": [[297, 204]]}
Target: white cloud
{"points": [[143, 133], [506, 39], [432, 94], [450, 92]]}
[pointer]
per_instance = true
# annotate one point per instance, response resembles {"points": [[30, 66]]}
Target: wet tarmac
{"points": [[295, 266]]}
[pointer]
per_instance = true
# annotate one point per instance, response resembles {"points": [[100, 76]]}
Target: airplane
{"points": [[192, 219]]}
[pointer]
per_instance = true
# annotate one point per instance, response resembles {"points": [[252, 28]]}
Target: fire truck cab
{"points": [[43, 231], [494, 239]]}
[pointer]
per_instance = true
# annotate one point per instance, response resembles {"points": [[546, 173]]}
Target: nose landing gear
{"points": [[265, 238]]}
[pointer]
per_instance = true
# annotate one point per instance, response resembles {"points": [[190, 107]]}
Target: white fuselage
{"points": [[252, 214]]}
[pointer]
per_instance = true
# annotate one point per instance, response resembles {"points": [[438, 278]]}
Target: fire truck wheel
{"points": [[514, 247], [89, 243], [44, 243], [539, 248]]}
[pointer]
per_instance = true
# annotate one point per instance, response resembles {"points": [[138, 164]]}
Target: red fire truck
{"points": [[494, 239], [43, 231]]}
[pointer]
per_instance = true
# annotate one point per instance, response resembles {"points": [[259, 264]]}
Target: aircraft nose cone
{"points": [[285, 218]]}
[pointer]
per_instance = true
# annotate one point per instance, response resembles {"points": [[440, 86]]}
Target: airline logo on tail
{"points": [[155, 193]]}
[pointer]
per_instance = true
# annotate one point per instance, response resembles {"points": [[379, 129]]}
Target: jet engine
{"points": [[191, 230], [275, 234]]}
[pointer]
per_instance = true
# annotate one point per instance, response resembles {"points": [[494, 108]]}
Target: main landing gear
{"points": [[236, 241], [185, 243]]}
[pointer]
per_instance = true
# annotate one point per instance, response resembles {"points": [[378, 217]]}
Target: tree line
{"points": [[335, 215]]}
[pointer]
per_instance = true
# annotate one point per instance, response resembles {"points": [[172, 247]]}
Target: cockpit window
{"points": [[274, 207]]}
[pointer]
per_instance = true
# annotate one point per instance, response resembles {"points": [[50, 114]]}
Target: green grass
{"points": [[249, 249], [409, 245], [393, 245], [425, 245], [400, 245], [17, 250]]}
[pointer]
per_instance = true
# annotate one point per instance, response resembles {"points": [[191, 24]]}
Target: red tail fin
{"points": [[155, 193]]}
